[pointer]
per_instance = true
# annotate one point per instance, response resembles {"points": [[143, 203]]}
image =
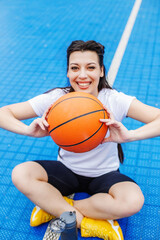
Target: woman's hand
{"points": [[118, 132], [39, 127]]}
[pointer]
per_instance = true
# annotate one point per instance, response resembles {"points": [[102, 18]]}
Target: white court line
{"points": [[115, 64]]}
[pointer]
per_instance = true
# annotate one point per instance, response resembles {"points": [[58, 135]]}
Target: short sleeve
{"points": [[119, 104], [42, 102]]}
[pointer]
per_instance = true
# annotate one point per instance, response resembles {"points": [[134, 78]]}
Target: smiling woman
{"points": [[113, 195]]}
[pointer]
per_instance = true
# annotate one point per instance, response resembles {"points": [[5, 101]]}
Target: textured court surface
{"points": [[34, 36]]}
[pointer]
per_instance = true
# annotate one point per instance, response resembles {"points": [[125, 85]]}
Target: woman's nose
{"points": [[82, 74]]}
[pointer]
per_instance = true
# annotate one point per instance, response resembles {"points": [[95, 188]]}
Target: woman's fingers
{"points": [[45, 115], [110, 122], [106, 140], [42, 123], [109, 113], [46, 124]]}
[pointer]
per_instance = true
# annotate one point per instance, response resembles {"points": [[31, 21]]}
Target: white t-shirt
{"points": [[103, 158]]}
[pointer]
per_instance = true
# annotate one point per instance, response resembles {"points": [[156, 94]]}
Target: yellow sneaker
{"points": [[39, 216], [105, 229]]}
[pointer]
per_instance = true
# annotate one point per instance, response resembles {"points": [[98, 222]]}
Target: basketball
{"points": [[74, 122]]}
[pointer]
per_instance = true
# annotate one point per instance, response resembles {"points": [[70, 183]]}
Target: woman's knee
{"points": [[129, 198], [133, 203], [24, 173]]}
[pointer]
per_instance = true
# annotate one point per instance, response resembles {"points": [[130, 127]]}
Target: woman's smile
{"points": [[83, 85]]}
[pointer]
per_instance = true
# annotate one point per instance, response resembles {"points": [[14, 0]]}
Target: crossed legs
{"points": [[124, 199]]}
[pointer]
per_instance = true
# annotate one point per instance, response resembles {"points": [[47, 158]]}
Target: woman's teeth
{"points": [[84, 84]]}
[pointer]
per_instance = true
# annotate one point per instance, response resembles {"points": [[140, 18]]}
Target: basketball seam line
{"points": [[83, 140], [76, 97], [75, 118]]}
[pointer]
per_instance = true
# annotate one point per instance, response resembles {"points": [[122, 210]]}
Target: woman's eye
{"points": [[91, 67], [74, 68]]}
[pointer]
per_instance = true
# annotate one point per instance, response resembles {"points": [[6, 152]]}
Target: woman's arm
{"points": [[11, 116], [141, 112], [146, 114]]}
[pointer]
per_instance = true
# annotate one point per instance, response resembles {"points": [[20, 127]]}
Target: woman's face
{"points": [[84, 72]]}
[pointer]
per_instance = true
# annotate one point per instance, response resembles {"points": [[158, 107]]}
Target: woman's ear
{"points": [[102, 72]]}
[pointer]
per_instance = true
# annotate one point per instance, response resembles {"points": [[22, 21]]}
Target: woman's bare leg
{"points": [[32, 180], [124, 199]]}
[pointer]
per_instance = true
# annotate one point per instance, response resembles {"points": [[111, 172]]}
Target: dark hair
{"points": [[94, 46]]}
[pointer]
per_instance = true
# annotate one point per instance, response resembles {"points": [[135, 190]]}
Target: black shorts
{"points": [[67, 182]]}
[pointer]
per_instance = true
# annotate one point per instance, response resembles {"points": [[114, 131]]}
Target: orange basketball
{"points": [[74, 122]]}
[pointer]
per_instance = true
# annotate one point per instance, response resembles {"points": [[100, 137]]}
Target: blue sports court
{"points": [[34, 36]]}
